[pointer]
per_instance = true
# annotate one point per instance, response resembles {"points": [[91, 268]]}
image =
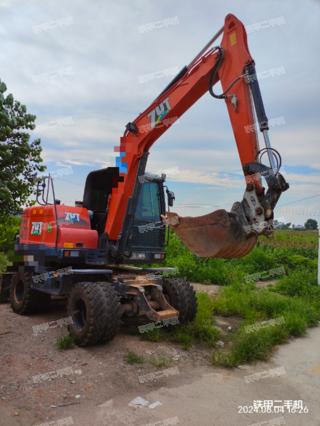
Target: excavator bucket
{"points": [[217, 234]]}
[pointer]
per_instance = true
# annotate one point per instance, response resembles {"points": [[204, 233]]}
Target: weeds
{"points": [[201, 329], [260, 305], [161, 361], [153, 335], [183, 336], [64, 341], [132, 358]]}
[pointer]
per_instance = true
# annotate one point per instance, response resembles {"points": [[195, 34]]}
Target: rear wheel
{"points": [[23, 298], [86, 306], [181, 296]]}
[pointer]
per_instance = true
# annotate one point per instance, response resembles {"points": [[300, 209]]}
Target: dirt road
{"points": [[195, 393]]}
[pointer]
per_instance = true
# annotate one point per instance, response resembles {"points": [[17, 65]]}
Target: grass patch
{"points": [[200, 330], [296, 296], [65, 342], [160, 361], [250, 346], [153, 335], [183, 336], [256, 305], [132, 358], [300, 282]]}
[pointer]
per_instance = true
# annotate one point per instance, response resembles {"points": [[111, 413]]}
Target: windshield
{"points": [[149, 205]]}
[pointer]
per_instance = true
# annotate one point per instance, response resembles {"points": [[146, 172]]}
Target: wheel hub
{"points": [[80, 313]]}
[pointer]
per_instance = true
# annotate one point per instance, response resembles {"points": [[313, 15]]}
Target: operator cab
{"points": [[147, 230]]}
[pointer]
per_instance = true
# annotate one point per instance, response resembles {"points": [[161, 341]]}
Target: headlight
{"points": [[74, 253]]}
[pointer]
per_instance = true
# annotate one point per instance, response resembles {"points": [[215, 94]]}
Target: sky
{"points": [[101, 50]]}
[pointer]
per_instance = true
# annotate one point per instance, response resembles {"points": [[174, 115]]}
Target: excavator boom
{"points": [[218, 234]]}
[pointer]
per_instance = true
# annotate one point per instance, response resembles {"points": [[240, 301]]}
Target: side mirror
{"points": [[171, 198]]}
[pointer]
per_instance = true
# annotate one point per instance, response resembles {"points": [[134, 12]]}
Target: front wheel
{"points": [[112, 312], [86, 307]]}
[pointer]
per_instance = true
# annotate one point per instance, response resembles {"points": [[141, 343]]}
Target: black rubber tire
{"points": [[23, 298], [192, 302], [181, 296], [86, 306], [112, 312]]}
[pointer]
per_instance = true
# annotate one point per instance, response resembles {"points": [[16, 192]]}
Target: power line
{"points": [[69, 181], [300, 200]]}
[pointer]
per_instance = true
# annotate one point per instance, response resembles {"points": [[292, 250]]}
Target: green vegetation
{"points": [[254, 305], [161, 360], [132, 358], [295, 297], [9, 228], [200, 330], [311, 224], [19, 160], [267, 254], [64, 341]]}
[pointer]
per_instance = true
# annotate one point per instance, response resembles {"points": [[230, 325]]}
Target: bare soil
{"points": [[104, 373], [106, 383]]}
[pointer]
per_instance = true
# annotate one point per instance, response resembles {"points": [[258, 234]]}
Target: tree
{"points": [[311, 224], [19, 160], [286, 226]]}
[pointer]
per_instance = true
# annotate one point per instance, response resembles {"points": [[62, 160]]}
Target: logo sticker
{"points": [[49, 227], [159, 112], [73, 217], [233, 39], [36, 228]]}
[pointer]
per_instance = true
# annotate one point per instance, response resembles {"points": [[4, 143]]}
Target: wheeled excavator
{"points": [[96, 237]]}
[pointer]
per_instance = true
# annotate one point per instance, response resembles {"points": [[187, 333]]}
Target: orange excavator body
{"points": [[218, 234]]}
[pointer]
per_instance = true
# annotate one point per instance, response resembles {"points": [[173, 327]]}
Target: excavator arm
{"points": [[218, 234]]}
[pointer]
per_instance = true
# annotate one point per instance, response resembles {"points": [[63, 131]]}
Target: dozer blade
{"points": [[218, 234]]}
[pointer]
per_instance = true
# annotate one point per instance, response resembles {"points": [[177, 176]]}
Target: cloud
{"points": [[107, 53]]}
